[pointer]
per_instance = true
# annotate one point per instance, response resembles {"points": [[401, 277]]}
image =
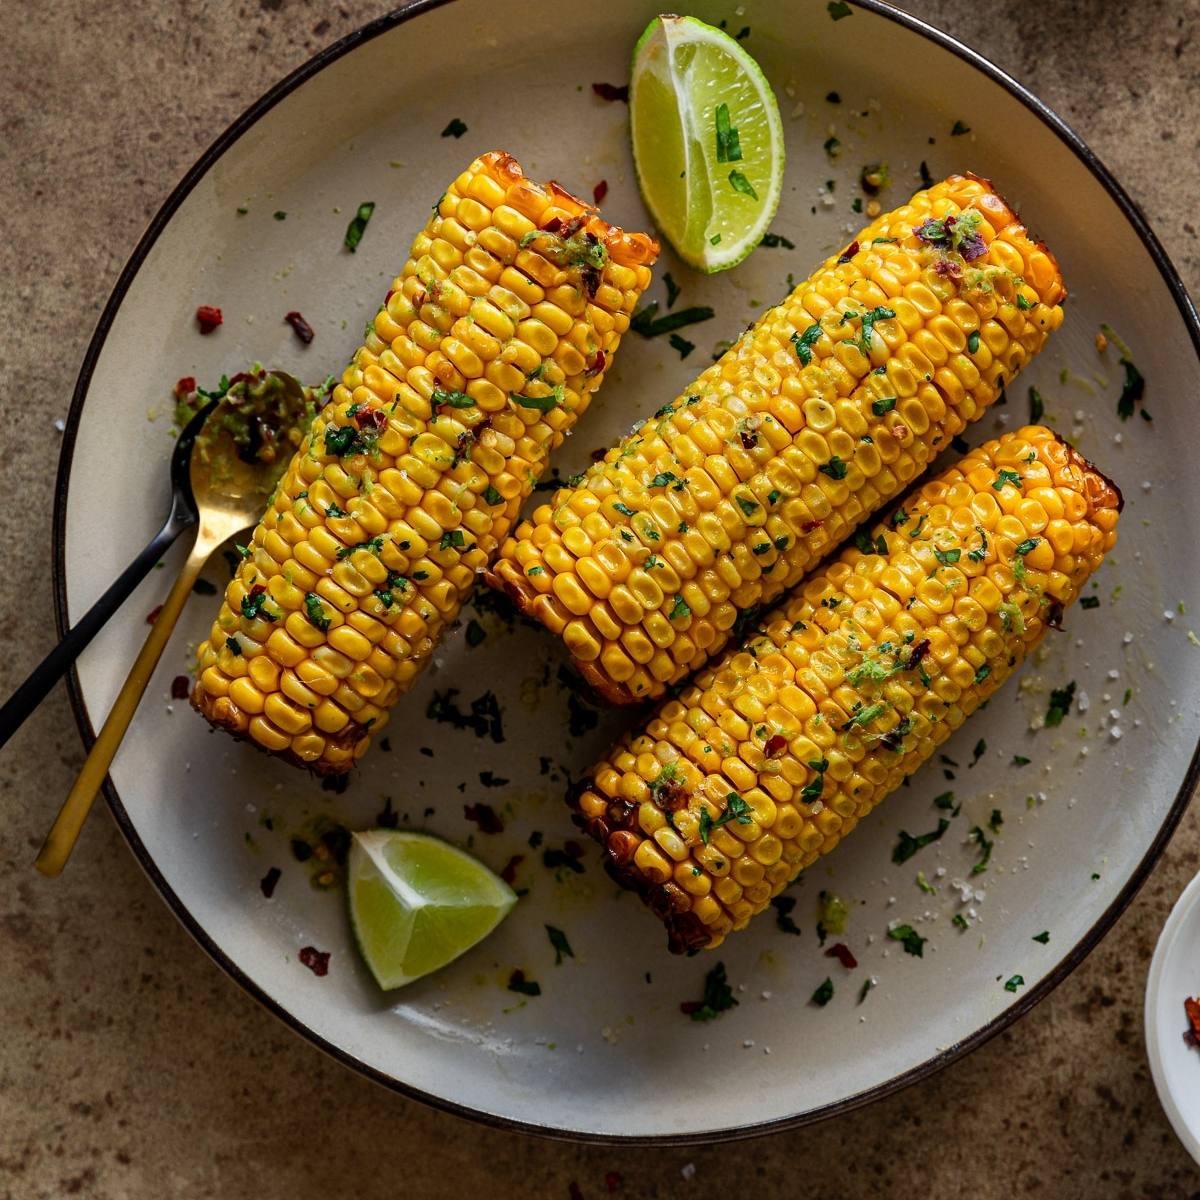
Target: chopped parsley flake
{"points": [[358, 226], [455, 129], [834, 468], [1016, 981], [645, 322], [823, 994], [315, 611], [908, 845], [1005, 476], [741, 184], [1037, 406], [838, 9], [885, 405], [718, 997], [1061, 700], [729, 147], [985, 845], [804, 342], [562, 948], [1043, 937], [679, 609], [783, 906], [912, 941]]}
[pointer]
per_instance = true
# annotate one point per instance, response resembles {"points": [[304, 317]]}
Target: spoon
{"points": [[232, 470], [56, 664]]}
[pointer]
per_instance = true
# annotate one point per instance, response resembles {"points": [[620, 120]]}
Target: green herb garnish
{"points": [[357, 227]]}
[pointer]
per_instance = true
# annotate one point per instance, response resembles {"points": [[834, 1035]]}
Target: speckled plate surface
{"points": [[604, 1051]]}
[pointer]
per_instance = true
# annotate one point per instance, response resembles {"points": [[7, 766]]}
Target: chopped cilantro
{"points": [[959, 128], [885, 405], [804, 342], [747, 504], [838, 9], [1043, 937], [718, 997], [908, 845], [1016, 981], [315, 611], [1019, 760], [542, 403], [233, 645], [1037, 406], [832, 147], [729, 147], [1089, 602], [823, 994], [491, 496], [1061, 700], [679, 609], [973, 341], [455, 129], [681, 344], [985, 845], [562, 947], [741, 184], [452, 539], [959, 920], [912, 941], [947, 557], [783, 906], [1005, 476], [525, 987], [772, 241], [648, 325], [834, 468], [357, 227], [979, 751], [944, 801], [865, 715]]}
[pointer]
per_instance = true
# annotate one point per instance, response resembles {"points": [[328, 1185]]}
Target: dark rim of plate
{"points": [[406, 12]]}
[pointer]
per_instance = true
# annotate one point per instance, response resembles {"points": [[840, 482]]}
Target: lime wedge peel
{"points": [[417, 903], [707, 141]]}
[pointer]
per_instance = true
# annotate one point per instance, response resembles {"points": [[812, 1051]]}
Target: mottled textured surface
{"points": [[131, 1067]]}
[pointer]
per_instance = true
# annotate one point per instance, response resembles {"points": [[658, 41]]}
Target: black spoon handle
{"points": [[56, 664]]}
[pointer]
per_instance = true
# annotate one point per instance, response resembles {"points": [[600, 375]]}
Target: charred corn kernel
{"points": [[851, 686], [820, 414], [484, 354]]}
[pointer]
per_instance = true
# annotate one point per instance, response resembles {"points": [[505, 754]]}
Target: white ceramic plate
{"points": [[1174, 1060], [604, 1052]]}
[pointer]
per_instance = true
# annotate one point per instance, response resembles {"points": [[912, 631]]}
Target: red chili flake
{"points": [[256, 590], [841, 952], [612, 1180], [596, 363], [304, 331], [246, 377], [749, 440], [918, 652], [485, 816], [598, 454], [185, 387], [610, 91], [1054, 618], [687, 1007], [949, 267], [267, 885], [809, 526], [849, 252], [600, 191], [208, 318], [371, 418], [152, 615], [509, 874], [573, 1190], [390, 293], [180, 686], [317, 961], [572, 849], [775, 745], [1192, 1008]]}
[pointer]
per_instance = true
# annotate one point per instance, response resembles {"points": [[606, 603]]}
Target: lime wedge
{"points": [[707, 141], [417, 903]]}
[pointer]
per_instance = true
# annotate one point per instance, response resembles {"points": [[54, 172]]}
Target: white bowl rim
{"points": [[1184, 907], [406, 11]]}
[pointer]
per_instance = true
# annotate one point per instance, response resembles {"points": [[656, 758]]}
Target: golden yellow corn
{"points": [[483, 356], [820, 414], [779, 748]]}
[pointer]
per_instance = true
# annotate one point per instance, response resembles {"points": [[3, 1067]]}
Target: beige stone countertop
{"points": [[130, 1066]]}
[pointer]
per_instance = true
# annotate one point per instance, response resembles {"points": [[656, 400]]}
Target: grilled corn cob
{"points": [[484, 354], [780, 747], [820, 414]]}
